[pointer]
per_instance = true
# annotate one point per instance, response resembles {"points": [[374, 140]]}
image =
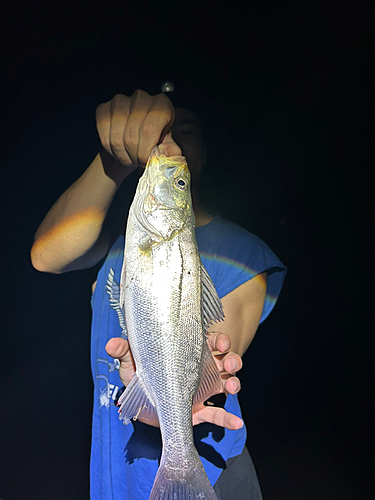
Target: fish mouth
{"points": [[155, 153], [162, 163]]}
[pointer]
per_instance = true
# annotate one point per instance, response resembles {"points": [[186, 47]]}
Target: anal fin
{"points": [[210, 381]]}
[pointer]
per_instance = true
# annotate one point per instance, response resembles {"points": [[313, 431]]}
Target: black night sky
{"points": [[285, 91]]}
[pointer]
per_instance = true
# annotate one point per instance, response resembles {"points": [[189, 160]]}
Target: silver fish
{"points": [[169, 300]]}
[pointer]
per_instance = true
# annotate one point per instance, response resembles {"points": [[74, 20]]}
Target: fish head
{"points": [[164, 205]]}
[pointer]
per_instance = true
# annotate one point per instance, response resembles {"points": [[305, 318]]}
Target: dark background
{"points": [[288, 86]]}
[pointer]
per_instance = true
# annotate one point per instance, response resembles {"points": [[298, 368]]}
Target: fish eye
{"points": [[180, 183]]}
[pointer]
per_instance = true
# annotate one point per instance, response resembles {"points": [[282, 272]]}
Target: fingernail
{"points": [[233, 365], [224, 345]]}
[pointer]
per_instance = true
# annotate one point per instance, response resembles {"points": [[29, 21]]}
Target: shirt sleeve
{"points": [[232, 256]]}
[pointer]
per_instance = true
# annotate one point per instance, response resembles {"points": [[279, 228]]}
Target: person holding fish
{"points": [[176, 304]]}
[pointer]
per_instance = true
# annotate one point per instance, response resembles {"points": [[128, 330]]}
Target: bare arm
{"points": [[71, 237], [243, 309]]}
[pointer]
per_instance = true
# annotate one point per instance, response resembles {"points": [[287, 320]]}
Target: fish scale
{"points": [[168, 300]]}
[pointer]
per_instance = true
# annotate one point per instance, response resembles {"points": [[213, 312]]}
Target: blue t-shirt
{"points": [[124, 458]]}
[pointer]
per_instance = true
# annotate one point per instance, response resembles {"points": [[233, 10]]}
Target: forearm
{"points": [[243, 309], [69, 236]]}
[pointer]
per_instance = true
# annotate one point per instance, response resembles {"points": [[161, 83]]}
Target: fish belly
{"points": [[163, 316]]}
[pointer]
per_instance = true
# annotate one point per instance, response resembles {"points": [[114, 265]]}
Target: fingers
{"points": [[218, 342], [156, 125], [226, 360], [119, 111], [103, 124], [228, 366], [129, 127], [217, 416], [117, 347], [232, 385], [169, 147], [141, 103], [228, 363]]}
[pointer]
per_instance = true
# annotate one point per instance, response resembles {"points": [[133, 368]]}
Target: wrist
{"points": [[114, 169]]}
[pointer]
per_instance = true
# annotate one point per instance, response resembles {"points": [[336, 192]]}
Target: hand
{"points": [[119, 348], [228, 364], [129, 127], [219, 344]]}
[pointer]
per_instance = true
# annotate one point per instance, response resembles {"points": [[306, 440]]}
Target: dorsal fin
{"points": [[212, 308], [113, 290]]}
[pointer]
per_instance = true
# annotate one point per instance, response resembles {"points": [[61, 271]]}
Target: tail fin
{"points": [[182, 484]]}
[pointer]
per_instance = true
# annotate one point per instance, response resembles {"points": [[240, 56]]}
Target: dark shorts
{"points": [[239, 479]]}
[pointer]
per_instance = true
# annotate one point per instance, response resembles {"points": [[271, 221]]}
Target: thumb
{"points": [[117, 347], [168, 147]]}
